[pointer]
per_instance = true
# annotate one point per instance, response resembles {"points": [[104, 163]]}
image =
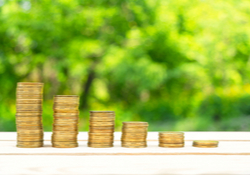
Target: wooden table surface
{"points": [[231, 157]]}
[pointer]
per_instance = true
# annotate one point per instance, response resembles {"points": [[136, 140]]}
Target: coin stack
{"points": [[65, 127], [29, 99], [205, 143], [134, 134], [101, 129], [171, 139]]}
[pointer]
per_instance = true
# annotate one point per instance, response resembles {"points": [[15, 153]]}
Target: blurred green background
{"points": [[178, 64]]}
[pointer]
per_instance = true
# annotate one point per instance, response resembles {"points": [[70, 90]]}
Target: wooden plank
{"points": [[33, 165], [153, 136], [225, 148]]}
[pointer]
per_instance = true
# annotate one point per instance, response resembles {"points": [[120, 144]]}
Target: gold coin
{"points": [[95, 112], [58, 122], [29, 144], [29, 90], [137, 123], [65, 107], [64, 144], [111, 137], [70, 103], [29, 139], [138, 143], [126, 146], [29, 87], [96, 125], [205, 143], [36, 136], [100, 145], [38, 131], [101, 130], [29, 101], [29, 106], [64, 129], [102, 115], [171, 145], [171, 133], [101, 120], [171, 141], [134, 131], [56, 139], [143, 134], [29, 123], [66, 98], [133, 140], [29, 84], [29, 114], [28, 119], [101, 134]]}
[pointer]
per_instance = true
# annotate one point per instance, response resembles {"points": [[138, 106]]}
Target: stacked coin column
{"points": [[171, 139], [29, 98], [65, 127], [101, 129], [134, 134]]}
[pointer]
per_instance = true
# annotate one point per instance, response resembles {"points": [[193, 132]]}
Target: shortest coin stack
{"points": [[171, 139], [205, 143], [134, 134]]}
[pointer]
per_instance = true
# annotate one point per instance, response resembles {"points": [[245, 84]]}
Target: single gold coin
{"points": [[171, 145], [100, 145], [132, 146], [37, 131], [101, 134], [101, 120], [111, 137], [101, 130], [64, 144], [171, 133], [29, 101], [137, 123], [27, 144], [133, 140], [138, 143], [205, 143], [29, 84], [171, 141]]}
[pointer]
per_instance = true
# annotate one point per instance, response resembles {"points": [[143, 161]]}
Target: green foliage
{"points": [[178, 64]]}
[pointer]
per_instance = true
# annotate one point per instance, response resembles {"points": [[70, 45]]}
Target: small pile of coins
{"points": [[134, 134], [171, 139], [65, 126], [29, 99], [101, 129], [205, 143]]}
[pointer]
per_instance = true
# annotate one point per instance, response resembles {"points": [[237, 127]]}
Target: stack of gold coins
{"points": [[101, 129], [171, 139], [65, 127], [29, 99], [134, 134], [205, 143]]}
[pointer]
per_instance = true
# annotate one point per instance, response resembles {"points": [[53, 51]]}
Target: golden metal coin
{"points": [[205, 143], [101, 134], [29, 144], [111, 137], [137, 123], [171, 134], [100, 145], [64, 144], [171, 145]]}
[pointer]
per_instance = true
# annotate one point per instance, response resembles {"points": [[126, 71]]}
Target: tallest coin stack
{"points": [[29, 98]]}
